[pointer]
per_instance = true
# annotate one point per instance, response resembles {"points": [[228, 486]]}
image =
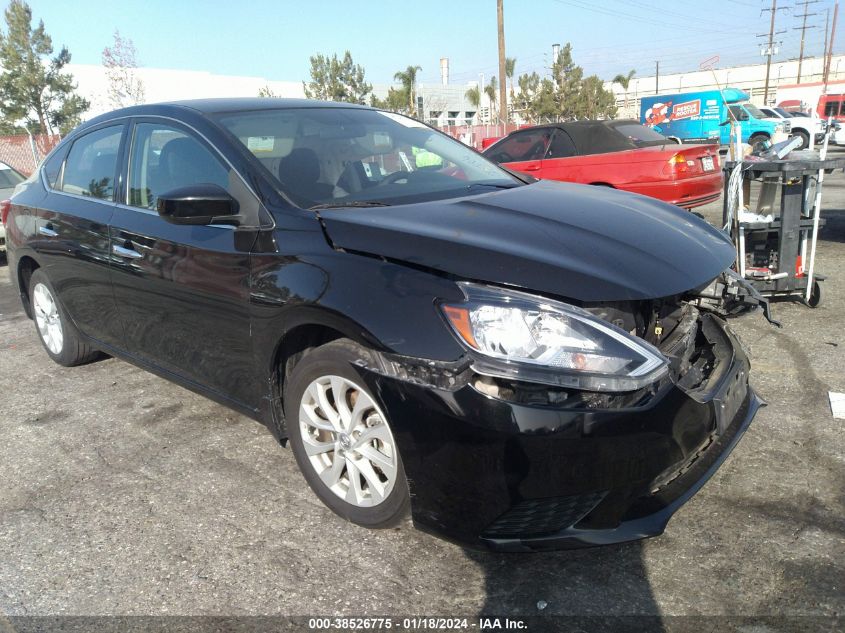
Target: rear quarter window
{"points": [[53, 167]]}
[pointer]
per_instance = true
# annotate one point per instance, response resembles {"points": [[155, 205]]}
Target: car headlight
{"points": [[525, 337]]}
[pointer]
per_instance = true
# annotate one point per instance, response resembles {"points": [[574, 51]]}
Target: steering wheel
{"points": [[396, 176]]}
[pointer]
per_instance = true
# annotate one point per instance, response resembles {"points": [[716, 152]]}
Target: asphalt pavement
{"points": [[123, 494]]}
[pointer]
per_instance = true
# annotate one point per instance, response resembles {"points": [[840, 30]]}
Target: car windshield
{"points": [[640, 135], [783, 113], [754, 111], [359, 157]]}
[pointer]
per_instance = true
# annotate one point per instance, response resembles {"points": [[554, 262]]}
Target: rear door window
{"points": [[91, 166]]}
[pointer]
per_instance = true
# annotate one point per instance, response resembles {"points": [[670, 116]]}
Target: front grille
{"points": [[538, 517]]}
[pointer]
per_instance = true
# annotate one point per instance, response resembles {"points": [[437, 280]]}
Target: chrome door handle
{"points": [[125, 252], [47, 231]]}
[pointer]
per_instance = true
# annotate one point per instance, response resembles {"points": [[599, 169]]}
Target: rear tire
{"points": [[57, 333], [341, 438]]}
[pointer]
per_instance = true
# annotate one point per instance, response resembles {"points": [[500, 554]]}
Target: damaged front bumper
{"points": [[500, 472], [730, 295]]}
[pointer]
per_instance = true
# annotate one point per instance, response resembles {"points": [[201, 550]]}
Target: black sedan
{"points": [[524, 365]]}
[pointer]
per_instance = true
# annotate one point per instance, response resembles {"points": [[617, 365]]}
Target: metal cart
{"points": [[777, 256]]}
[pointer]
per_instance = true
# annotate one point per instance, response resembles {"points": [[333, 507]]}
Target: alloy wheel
{"points": [[347, 440], [47, 318]]}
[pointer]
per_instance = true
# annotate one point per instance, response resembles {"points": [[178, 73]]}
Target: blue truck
{"points": [[703, 117]]}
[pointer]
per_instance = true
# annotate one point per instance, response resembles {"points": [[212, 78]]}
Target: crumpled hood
{"points": [[575, 241]]}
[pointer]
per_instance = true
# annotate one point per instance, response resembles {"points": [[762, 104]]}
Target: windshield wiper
{"points": [[350, 203], [490, 184]]}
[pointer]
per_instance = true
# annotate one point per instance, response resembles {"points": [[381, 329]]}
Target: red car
{"points": [[621, 154]]}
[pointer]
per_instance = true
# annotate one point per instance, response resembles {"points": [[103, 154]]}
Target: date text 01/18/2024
{"points": [[415, 624]]}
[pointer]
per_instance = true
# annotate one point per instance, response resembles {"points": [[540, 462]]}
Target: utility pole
{"points": [[803, 28], [826, 32], [503, 94], [770, 48], [830, 43], [656, 77]]}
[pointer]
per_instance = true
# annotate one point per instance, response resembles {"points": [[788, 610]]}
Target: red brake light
{"points": [[682, 165], [5, 206]]}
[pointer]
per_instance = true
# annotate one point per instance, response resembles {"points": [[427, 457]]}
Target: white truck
{"points": [[810, 129]]}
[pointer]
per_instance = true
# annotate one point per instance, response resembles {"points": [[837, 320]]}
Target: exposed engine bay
{"points": [[682, 327]]}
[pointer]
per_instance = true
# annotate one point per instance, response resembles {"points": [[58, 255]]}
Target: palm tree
{"points": [[510, 69], [490, 91], [408, 79], [624, 81], [473, 95]]}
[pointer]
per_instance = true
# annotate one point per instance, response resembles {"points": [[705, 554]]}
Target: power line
{"points": [[770, 48], [803, 28], [633, 16]]}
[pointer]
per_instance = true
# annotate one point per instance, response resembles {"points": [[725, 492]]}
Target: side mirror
{"points": [[200, 204]]}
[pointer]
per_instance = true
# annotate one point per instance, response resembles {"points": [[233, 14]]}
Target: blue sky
{"points": [[274, 39]]}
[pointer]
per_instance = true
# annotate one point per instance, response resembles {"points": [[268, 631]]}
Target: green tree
{"points": [[267, 92], [408, 79], [334, 79], [473, 95], [510, 69], [537, 99], [396, 101], [568, 78], [593, 101], [33, 88], [567, 95], [490, 90]]}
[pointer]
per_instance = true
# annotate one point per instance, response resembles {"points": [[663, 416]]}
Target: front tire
{"points": [[805, 139], [341, 438], [57, 333], [757, 138]]}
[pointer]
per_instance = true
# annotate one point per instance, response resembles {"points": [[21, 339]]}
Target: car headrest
{"points": [[186, 161], [301, 166]]}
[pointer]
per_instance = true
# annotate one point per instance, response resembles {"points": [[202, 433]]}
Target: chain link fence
{"points": [[24, 152], [475, 135]]}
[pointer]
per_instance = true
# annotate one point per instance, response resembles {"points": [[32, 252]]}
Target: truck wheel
{"points": [[757, 138], [805, 139]]}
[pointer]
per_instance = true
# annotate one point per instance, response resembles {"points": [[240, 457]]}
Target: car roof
{"points": [[215, 106], [234, 104], [583, 123], [592, 135]]}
